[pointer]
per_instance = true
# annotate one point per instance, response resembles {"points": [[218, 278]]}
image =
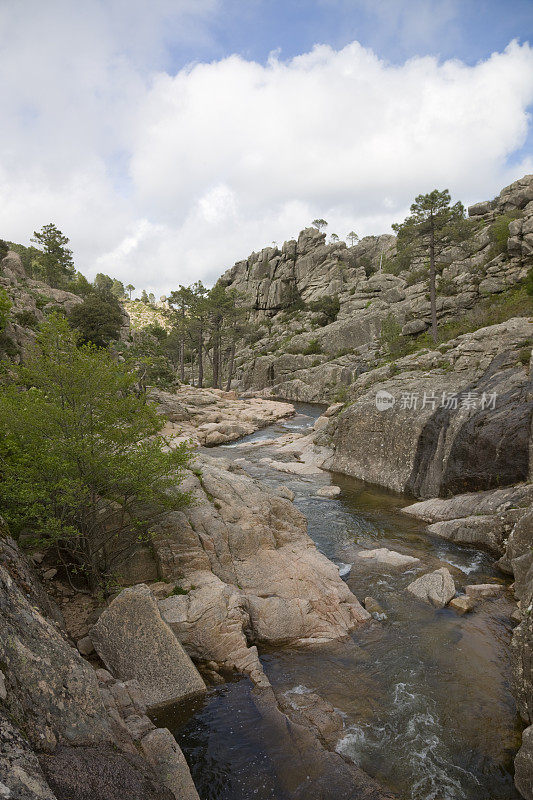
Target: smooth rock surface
{"points": [[388, 558], [135, 643], [435, 587]]}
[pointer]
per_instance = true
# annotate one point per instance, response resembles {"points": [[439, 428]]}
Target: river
{"points": [[424, 694]]}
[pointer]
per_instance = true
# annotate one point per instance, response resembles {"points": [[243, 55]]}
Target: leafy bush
{"points": [[83, 463], [328, 306], [529, 282], [525, 355], [417, 275], [26, 318], [499, 232], [391, 337], [7, 345], [4, 247], [313, 348], [98, 319]]}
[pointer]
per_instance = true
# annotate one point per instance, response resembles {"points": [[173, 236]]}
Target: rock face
{"points": [[302, 354], [135, 643], [519, 559], [436, 587], [252, 573], [67, 732], [421, 443]]}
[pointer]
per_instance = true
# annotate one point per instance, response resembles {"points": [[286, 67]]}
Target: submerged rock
{"points": [[329, 491], [462, 604], [388, 558], [480, 591], [435, 587]]}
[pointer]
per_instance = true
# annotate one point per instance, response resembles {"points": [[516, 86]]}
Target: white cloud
{"points": [[163, 179]]}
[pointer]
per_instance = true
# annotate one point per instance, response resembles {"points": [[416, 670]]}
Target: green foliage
{"points": [[98, 319], [4, 247], [417, 275], [447, 287], [177, 591], [156, 330], [529, 282], [391, 337], [5, 308], [313, 348], [81, 285], [26, 318], [7, 345], [328, 306], [499, 232], [53, 262], [27, 255], [341, 394], [524, 356], [83, 464], [319, 223]]}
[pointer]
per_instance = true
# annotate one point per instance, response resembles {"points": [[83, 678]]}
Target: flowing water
{"points": [[424, 694]]}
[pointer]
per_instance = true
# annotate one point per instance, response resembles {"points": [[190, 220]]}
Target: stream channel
{"points": [[424, 693]]}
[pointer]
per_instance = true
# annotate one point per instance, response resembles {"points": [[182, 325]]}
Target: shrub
{"points": [[98, 319], [499, 232], [328, 306], [313, 348], [83, 463], [391, 337], [26, 318], [524, 356], [417, 275]]}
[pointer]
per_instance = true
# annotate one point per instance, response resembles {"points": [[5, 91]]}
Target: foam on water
{"points": [[412, 728]]}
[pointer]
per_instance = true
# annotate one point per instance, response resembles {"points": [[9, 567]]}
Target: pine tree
{"points": [[54, 263]]}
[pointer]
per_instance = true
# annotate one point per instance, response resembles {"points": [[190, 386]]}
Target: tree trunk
{"points": [[201, 358], [216, 346], [182, 346], [230, 367], [432, 281]]}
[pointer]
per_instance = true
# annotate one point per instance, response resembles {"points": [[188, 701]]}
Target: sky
{"points": [[170, 138]]}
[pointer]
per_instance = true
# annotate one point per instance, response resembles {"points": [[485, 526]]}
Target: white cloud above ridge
{"points": [[163, 179]]}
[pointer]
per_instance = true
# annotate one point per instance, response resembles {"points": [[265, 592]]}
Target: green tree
{"points": [[353, 237], [81, 285], [144, 296], [334, 238], [131, 288], [98, 319], [430, 223], [319, 223], [82, 460], [53, 263], [103, 282]]}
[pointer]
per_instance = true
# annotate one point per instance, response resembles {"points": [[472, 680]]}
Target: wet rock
{"points": [[488, 503], [285, 492], [462, 604], [435, 587], [135, 643], [480, 591], [373, 607], [163, 752], [487, 531], [328, 491], [388, 558]]}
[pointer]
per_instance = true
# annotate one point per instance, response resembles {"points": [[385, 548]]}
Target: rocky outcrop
{"points": [[136, 644], [304, 355], [211, 417], [456, 419], [250, 572]]}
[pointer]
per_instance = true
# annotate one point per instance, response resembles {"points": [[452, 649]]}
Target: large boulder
{"points": [[420, 442], [135, 643], [21, 777], [436, 587]]}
